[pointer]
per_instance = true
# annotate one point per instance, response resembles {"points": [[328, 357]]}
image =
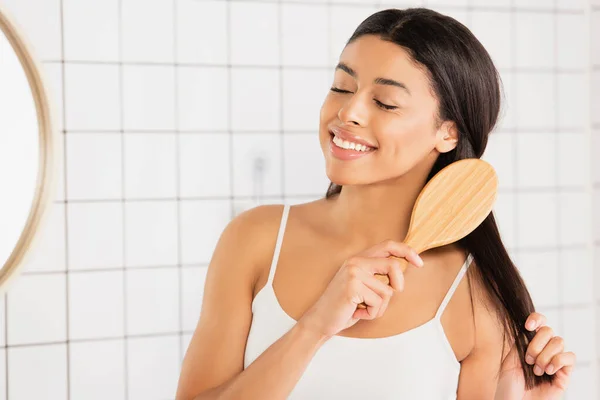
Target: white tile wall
{"points": [[37, 372], [199, 156], [202, 98], [96, 305], [201, 223], [97, 370], [91, 30], [301, 46], [303, 94], [148, 97], [147, 37], [495, 41], [192, 289], [181, 113], [570, 86], [150, 233], [152, 301], [571, 50], [50, 254], [99, 170], [95, 235], [150, 165], [206, 22], [535, 100], [100, 111], [535, 160], [252, 43], [535, 47], [3, 374], [153, 367], [36, 310], [595, 163], [258, 86]]}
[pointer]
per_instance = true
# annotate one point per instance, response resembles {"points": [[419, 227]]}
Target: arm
{"points": [[275, 372], [213, 366], [480, 370]]}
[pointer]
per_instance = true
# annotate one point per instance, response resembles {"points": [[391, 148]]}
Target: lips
{"points": [[349, 136], [347, 154]]}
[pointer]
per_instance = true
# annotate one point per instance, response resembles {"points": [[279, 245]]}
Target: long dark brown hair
{"points": [[468, 88]]}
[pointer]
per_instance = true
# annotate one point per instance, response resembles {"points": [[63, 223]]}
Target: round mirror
{"points": [[26, 149]]}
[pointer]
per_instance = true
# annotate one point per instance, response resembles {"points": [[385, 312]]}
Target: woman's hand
{"points": [[546, 354], [355, 283]]}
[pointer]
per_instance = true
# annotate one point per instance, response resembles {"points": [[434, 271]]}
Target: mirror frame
{"points": [[46, 172]]}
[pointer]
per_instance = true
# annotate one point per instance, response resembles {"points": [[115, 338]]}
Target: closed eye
{"points": [[385, 106], [379, 104]]}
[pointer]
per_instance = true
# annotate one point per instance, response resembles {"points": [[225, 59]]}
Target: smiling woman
{"points": [[26, 149], [413, 92]]}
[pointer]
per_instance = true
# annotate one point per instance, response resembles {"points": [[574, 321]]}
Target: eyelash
{"points": [[380, 104]]}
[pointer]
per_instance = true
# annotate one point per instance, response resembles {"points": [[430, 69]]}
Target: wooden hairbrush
{"points": [[450, 206]]}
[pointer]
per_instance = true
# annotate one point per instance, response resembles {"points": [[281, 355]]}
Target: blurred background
{"points": [[175, 115]]}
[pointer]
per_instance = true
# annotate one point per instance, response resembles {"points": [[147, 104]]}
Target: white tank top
{"points": [[416, 364]]}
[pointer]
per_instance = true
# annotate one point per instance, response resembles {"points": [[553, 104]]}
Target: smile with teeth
{"points": [[344, 144]]}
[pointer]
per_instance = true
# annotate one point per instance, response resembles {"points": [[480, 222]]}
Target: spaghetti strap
{"points": [[284, 217], [459, 276]]}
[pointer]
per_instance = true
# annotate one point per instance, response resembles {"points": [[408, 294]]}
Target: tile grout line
{"points": [[194, 65], [280, 111], [123, 202], [556, 133], [515, 143], [178, 182], [229, 66], [590, 182], [500, 130], [66, 220], [6, 344]]}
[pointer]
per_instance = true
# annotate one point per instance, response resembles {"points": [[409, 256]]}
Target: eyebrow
{"points": [[377, 81]]}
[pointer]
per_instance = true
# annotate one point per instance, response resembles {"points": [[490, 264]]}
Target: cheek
{"points": [[329, 109], [407, 139]]}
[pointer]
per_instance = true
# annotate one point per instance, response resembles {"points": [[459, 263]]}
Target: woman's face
{"points": [[380, 99]]}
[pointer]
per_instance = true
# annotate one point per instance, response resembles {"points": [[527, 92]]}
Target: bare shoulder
{"points": [[252, 234]]}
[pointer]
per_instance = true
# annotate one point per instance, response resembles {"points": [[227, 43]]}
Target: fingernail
{"points": [[537, 370], [529, 360], [550, 369], [530, 325], [421, 263]]}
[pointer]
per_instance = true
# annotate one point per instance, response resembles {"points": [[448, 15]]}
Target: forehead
{"points": [[372, 57]]}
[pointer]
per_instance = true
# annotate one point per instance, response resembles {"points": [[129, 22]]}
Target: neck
{"points": [[369, 214]]}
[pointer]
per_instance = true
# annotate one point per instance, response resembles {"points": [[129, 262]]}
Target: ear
{"points": [[446, 137]]}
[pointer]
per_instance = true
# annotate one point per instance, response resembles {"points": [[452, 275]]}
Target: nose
{"points": [[353, 112]]}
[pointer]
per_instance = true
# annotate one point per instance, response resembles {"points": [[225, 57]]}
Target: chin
{"points": [[344, 176]]}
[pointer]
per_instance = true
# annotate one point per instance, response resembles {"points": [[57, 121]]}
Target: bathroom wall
{"points": [[595, 160], [174, 115]]}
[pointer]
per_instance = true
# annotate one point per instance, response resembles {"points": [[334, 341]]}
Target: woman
{"points": [[413, 92]]}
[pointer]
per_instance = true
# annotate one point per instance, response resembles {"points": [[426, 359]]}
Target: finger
{"points": [[384, 266], [555, 346], [535, 321], [395, 274], [537, 344], [365, 295], [384, 291], [566, 361], [397, 249]]}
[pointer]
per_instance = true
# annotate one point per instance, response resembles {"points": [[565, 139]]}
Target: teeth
{"points": [[344, 144]]}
